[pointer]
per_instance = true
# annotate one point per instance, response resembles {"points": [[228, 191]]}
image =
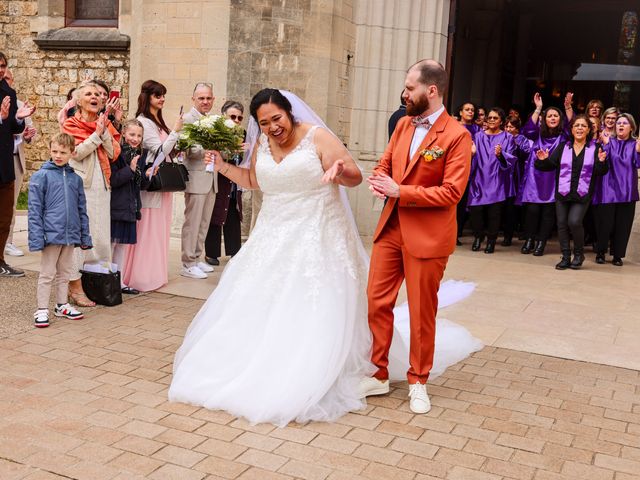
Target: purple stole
{"points": [[566, 164]]}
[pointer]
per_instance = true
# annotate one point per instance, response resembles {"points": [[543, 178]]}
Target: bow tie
{"points": [[421, 120]]}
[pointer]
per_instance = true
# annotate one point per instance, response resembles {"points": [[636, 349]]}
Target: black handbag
{"points": [[170, 177], [102, 288]]}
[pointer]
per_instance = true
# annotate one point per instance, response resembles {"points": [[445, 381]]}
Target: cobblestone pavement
{"points": [[87, 400]]}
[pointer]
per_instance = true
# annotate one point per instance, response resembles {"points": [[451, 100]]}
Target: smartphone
{"points": [[181, 109], [114, 94]]}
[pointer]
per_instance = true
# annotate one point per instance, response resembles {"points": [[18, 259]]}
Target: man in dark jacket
{"points": [[11, 122]]}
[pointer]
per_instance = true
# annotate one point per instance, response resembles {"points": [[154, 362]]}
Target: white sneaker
{"points": [[41, 318], [67, 311], [205, 267], [11, 249], [193, 272], [419, 402], [372, 386]]}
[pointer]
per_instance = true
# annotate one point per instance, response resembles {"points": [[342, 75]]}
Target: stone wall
{"points": [[43, 77]]}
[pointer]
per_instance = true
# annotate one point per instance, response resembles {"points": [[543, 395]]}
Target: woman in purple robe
{"points": [[576, 164], [512, 213], [467, 113], [537, 189], [616, 193], [491, 167]]}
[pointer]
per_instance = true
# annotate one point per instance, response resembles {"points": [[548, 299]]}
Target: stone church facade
{"points": [[346, 58]]}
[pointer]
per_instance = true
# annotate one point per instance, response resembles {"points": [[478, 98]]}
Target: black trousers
{"points": [[509, 217], [570, 216], [231, 230], [485, 219], [6, 214], [539, 219], [461, 211], [613, 222]]}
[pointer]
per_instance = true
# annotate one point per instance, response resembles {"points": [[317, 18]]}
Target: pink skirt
{"points": [[146, 267]]}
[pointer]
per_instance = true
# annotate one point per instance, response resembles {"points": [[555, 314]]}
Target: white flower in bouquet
{"points": [[229, 123], [212, 132]]}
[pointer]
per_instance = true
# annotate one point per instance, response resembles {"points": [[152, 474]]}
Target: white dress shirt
{"points": [[422, 130]]}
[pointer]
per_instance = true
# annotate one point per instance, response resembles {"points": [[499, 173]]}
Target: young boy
{"points": [[58, 222]]}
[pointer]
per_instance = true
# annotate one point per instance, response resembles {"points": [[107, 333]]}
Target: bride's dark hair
{"points": [[270, 95]]}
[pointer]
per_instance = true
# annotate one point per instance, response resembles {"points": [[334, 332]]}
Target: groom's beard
{"points": [[418, 107]]}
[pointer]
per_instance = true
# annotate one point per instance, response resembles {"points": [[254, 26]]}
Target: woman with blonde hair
{"points": [[616, 193], [97, 146]]}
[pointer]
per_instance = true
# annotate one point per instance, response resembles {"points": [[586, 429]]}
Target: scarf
{"points": [[81, 130]]}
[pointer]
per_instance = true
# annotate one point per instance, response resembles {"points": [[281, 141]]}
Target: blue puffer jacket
{"points": [[57, 208]]}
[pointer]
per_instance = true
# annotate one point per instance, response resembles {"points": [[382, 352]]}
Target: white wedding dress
{"points": [[284, 336]]}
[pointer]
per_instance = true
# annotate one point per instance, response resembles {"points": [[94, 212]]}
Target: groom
{"points": [[423, 172]]}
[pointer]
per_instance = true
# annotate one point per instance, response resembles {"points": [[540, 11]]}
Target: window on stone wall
{"points": [[91, 13]]}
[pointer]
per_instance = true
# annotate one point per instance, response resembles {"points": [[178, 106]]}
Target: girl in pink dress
{"points": [[146, 266]]}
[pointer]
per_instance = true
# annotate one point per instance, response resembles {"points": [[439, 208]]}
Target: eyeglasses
{"points": [[623, 122], [236, 117], [493, 118]]}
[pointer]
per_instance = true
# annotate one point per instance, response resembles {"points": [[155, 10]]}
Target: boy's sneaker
{"points": [[67, 311], [41, 318], [11, 249], [8, 271]]}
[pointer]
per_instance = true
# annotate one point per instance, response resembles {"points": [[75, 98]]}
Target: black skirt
{"points": [[123, 232]]}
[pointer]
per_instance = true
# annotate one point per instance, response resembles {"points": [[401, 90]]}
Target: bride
{"points": [[284, 336]]}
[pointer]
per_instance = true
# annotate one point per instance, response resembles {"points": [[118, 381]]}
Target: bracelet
{"points": [[538, 111]]}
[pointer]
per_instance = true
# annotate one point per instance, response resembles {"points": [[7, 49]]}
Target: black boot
{"points": [[539, 250], [527, 247], [507, 241], [491, 246], [600, 258], [578, 258], [566, 260], [477, 243]]}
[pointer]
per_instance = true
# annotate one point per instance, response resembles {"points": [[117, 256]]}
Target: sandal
{"points": [[80, 299]]}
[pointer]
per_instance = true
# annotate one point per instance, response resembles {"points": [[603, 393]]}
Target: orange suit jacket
{"points": [[429, 190]]}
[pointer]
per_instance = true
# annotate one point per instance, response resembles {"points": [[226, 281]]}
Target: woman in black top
{"points": [[576, 163]]}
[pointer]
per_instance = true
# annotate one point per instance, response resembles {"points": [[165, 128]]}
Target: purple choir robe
{"points": [[472, 129], [522, 152], [489, 177], [538, 186], [620, 184]]}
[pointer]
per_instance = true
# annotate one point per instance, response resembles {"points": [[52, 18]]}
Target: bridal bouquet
{"points": [[212, 132]]}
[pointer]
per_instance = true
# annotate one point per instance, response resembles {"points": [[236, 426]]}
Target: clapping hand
{"points": [[542, 154], [4, 107], [473, 148], [602, 155], [498, 150], [28, 134], [134, 163], [25, 111], [333, 172], [604, 137], [382, 185], [100, 124]]}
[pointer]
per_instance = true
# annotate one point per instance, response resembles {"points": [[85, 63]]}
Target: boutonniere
{"points": [[429, 155]]}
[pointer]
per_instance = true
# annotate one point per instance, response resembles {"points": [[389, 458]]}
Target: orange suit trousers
{"points": [[391, 264]]}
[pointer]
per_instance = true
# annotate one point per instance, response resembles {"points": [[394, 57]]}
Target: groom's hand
{"points": [[384, 185]]}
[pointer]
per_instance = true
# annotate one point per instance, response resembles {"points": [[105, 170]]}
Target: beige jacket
{"points": [[200, 181], [151, 141], [86, 156], [21, 153]]}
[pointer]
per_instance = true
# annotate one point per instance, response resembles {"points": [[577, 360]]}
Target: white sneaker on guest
{"points": [[205, 267], [419, 402], [372, 386], [193, 272], [11, 249]]}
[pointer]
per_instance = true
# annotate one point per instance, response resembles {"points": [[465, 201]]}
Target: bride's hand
{"points": [[213, 157], [333, 172]]}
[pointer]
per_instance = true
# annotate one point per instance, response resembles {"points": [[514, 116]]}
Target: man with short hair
{"points": [[11, 123], [423, 172], [19, 166], [200, 194]]}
